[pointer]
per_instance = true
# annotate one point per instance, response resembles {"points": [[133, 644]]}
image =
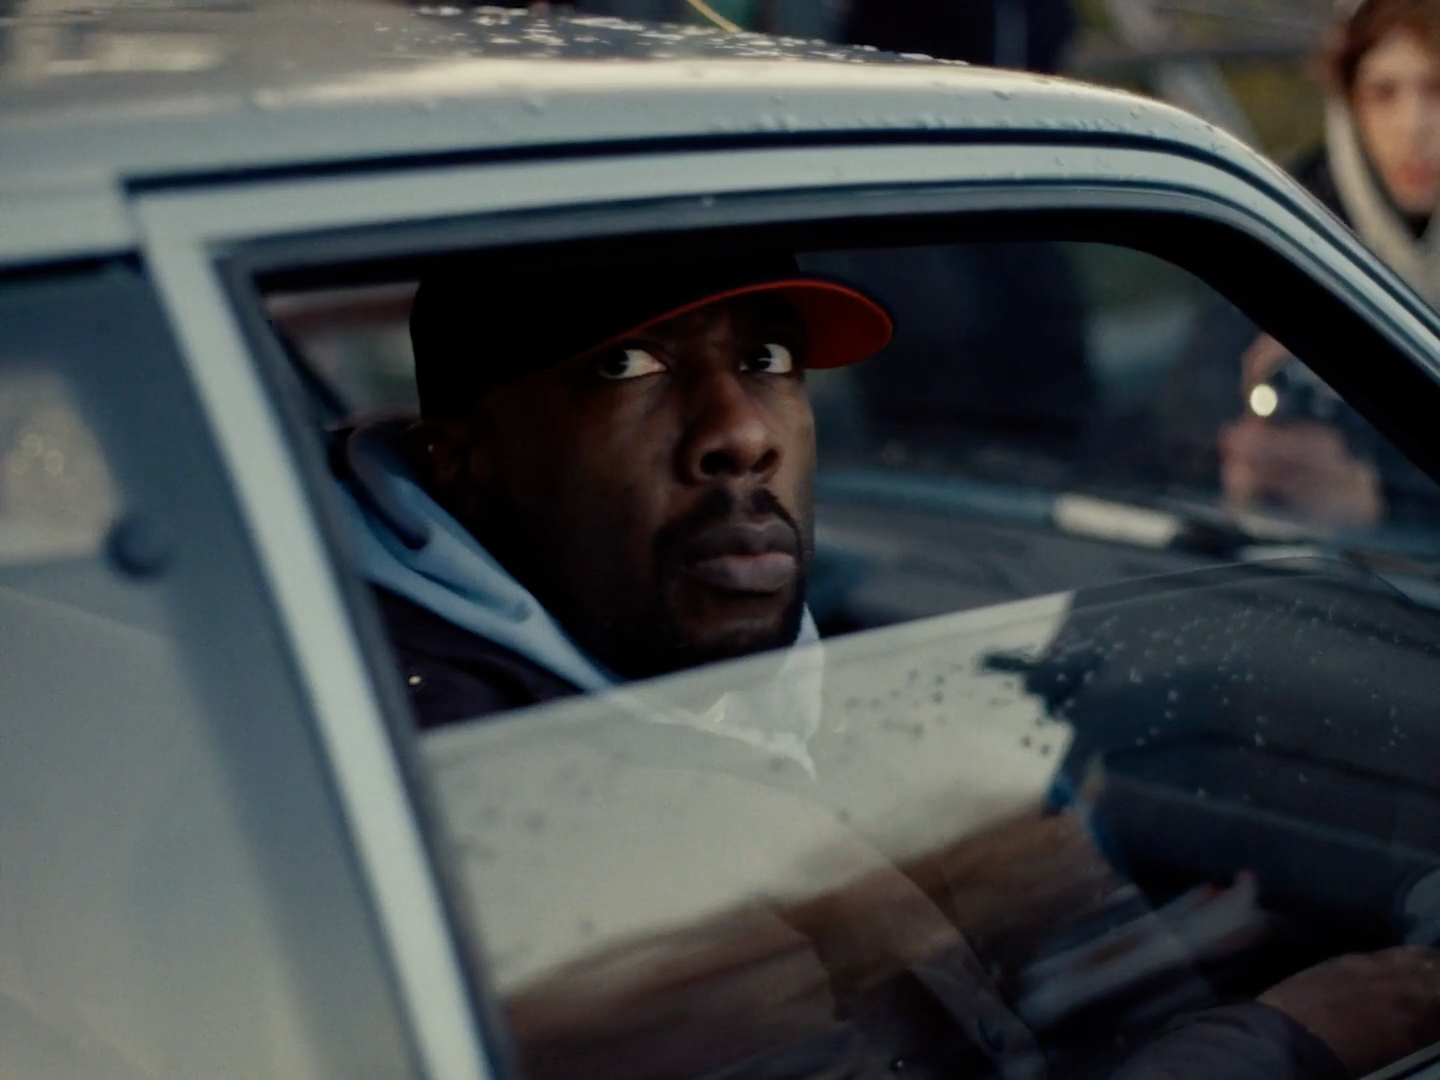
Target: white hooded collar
{"points": [[1372, 214]]}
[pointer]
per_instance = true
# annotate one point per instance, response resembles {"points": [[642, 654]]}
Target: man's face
{"points": [[657, 497]]}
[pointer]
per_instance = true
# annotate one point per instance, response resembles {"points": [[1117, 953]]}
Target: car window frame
{"points": [[302, 223], [207, 244]]}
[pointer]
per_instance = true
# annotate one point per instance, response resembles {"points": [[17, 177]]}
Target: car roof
{"points": [[138, 92]]}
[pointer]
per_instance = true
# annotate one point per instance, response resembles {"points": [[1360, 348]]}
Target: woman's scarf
{"points": [[1373, 215]]}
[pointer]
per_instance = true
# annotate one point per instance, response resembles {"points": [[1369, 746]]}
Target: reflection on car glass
{"points": [[1298, 691], [1116, 806], [765, 626]]}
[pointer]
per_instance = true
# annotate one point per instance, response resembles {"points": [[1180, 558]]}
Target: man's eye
{"points": [[632, 363], [773, 359]]}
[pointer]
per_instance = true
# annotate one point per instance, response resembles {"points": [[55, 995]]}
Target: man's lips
{"points": [[760, 558], [762, 574]]}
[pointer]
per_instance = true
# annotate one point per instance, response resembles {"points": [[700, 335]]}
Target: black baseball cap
{"points": [[475, 329]]}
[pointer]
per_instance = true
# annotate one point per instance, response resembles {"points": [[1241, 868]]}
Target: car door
{"points": [[579, 867], [178, 889]]}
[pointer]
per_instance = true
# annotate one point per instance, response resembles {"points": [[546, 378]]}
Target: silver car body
{"points": [[176, 134]]}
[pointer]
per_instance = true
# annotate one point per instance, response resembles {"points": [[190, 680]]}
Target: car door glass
{"points": [[1109, 719], [1087, 817], [145, 931]]}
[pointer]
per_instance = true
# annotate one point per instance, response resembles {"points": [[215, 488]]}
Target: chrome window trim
{"points": [[186, 234]]}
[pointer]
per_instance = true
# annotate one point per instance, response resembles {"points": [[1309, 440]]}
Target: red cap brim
{"points": [[843, 325]]}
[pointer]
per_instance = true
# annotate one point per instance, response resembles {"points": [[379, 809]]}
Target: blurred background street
{"points": [[1243, 64], [1246, 65]]}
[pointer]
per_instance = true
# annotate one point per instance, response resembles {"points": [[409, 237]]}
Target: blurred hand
{"points": [[1306, 467], [1370, 1010], [678, 1004]]}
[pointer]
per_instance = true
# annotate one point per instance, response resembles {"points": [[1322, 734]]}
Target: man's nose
{"points": [[729, 433]]}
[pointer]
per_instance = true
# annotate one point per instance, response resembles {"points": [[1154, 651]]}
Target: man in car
{"points": [[606, 487], [612, 480]]}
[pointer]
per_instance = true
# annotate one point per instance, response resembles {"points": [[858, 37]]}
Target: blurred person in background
{"points": [[1379, 171], [994, 339]]}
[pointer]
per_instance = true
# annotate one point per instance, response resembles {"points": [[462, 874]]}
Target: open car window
{"points": [[1085, 394], [1108, 717]]}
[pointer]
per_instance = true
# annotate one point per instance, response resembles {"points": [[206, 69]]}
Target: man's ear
{"points": [[459, 463]]}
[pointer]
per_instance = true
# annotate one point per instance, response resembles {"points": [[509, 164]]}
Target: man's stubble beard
{"points": [[675, 650], [648, 639], [673, 647]]}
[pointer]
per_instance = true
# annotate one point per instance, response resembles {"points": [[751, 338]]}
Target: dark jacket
{"points": [[453, 675]]}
